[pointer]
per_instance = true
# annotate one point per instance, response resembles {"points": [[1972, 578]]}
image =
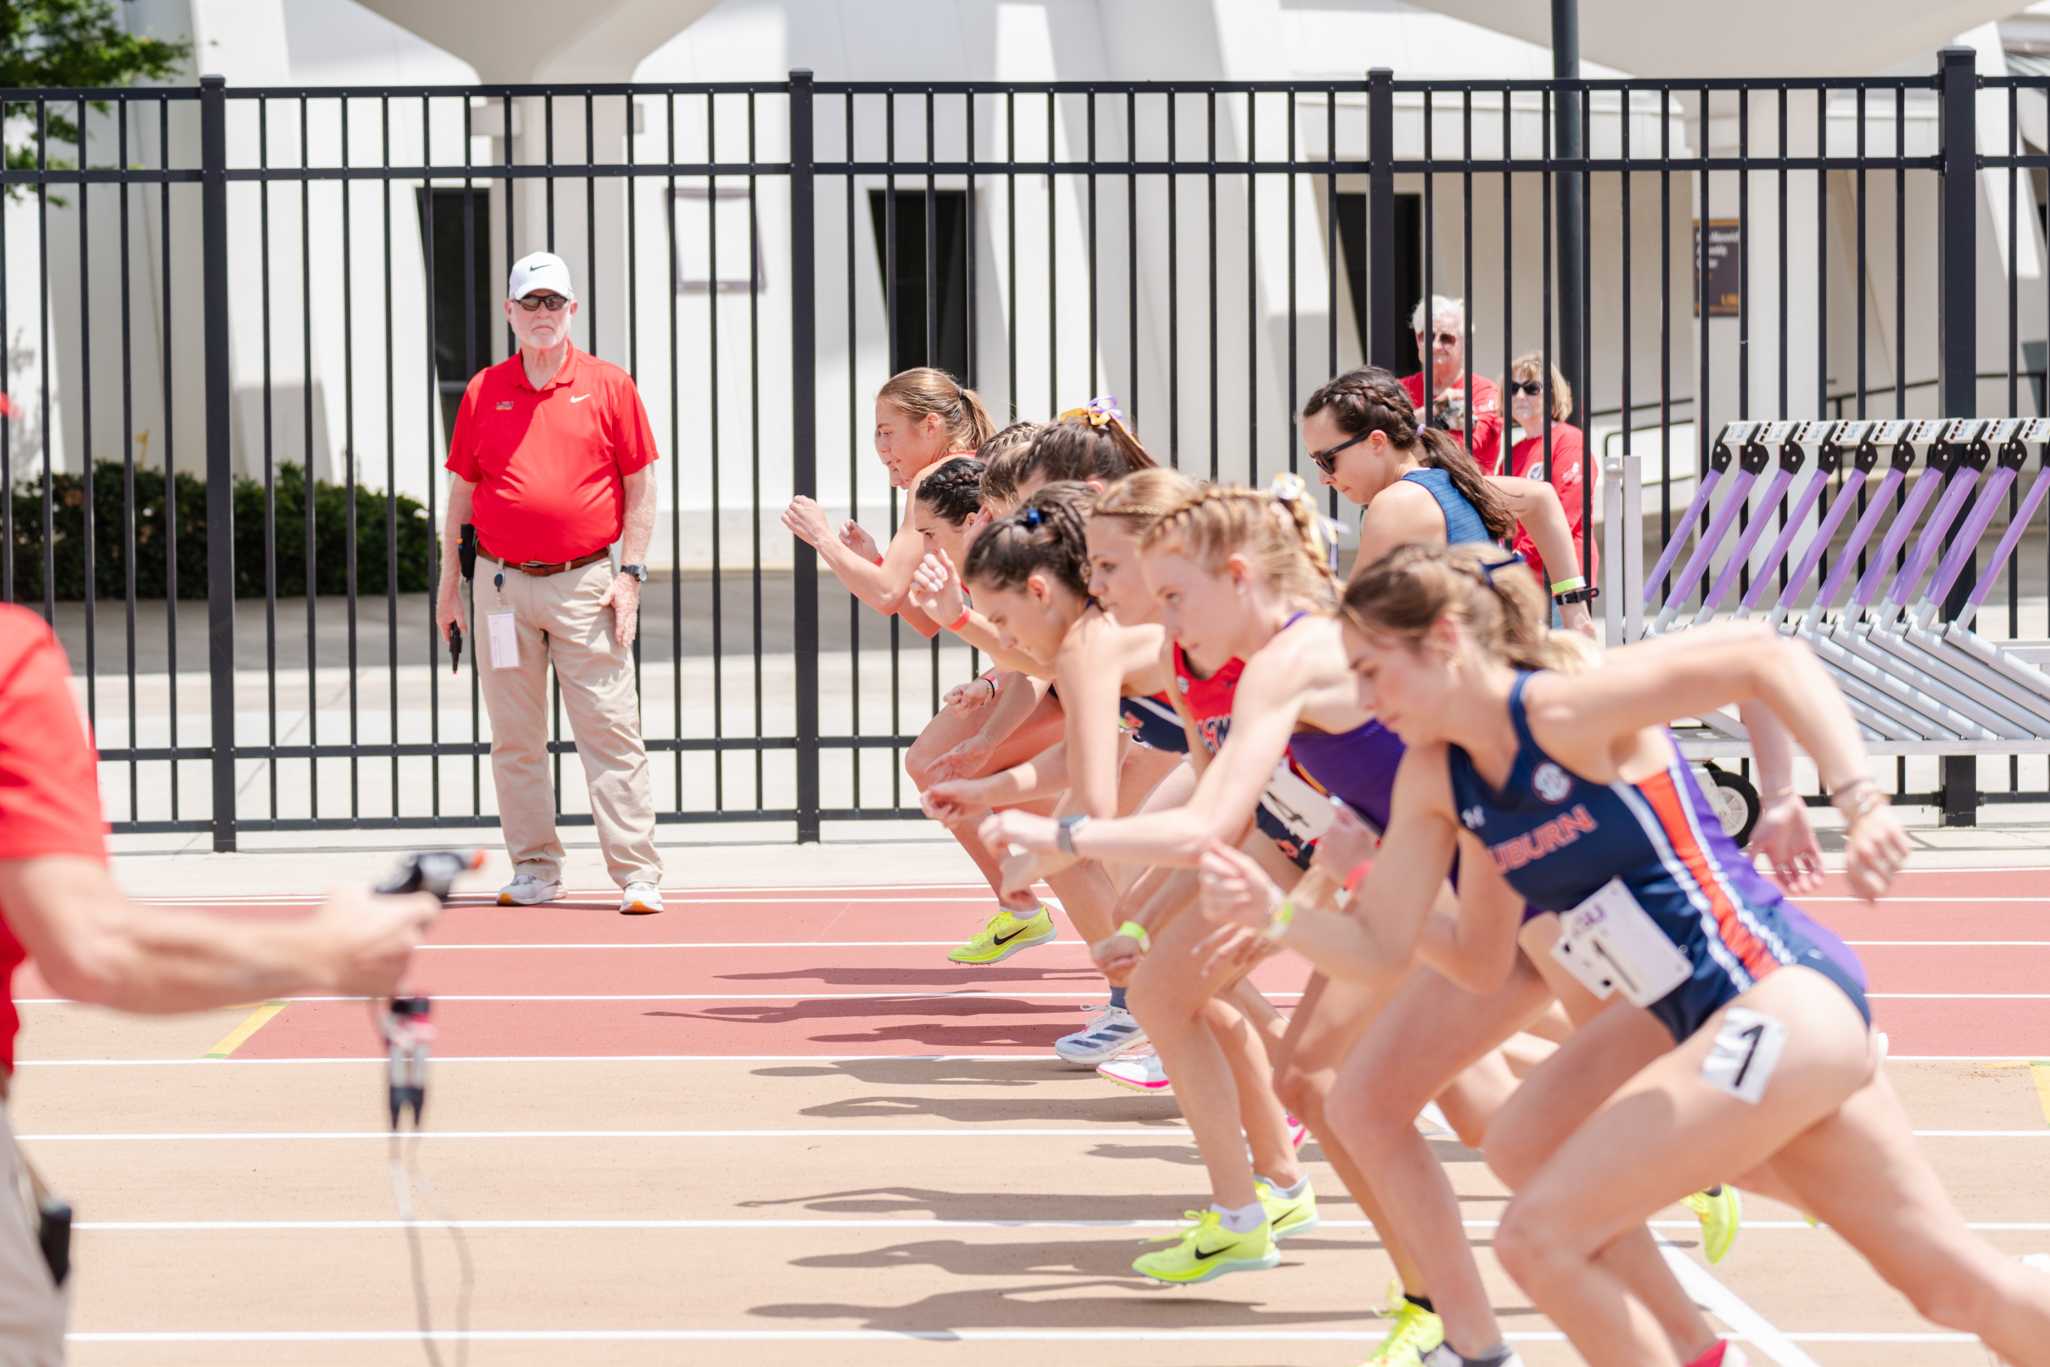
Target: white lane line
{"points": [[949, 944], [1045, 1059], [969, 1132], [907, 1222], [1728, 1307], [1362, 1335], [808, 898], [787, 944], [961, 994], [967, 994]]}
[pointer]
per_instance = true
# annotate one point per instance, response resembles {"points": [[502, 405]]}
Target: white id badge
{"points": [[1609, 943], [504, 638], [1305, 811], [1746, 1050]]}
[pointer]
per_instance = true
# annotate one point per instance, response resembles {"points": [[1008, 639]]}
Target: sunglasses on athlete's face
{"points": [[1327, 459], [554, 303]]}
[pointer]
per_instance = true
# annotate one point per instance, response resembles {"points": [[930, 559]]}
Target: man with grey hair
{"points": [[552, 462], [1445, 393]]}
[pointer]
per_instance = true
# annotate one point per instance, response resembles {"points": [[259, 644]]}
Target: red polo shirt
{"points": [[550, 463], [1487, 416], [1567, 472], [49, 778]]}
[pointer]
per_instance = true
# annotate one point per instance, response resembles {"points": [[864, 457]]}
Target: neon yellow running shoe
{"points": [[1288, 1214], [1416, 1331], [1206, 1249], [1720, 1215], [1005, 935]]}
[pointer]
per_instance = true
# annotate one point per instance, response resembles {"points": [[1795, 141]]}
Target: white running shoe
{"points": [[525, 890], [1110, 1032], [1138, 1072], [640, 899]]}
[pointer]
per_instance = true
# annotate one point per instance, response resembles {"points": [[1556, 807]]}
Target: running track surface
{"points": [[837, 1224], [1959, 962]]}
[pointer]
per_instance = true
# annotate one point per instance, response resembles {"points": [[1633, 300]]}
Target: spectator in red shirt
{"points": [[553, 461], [1564, 468], [62, 912], [1442, 337]]}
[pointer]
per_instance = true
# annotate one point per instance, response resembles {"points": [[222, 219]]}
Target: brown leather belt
{"points": [[540, 569]]}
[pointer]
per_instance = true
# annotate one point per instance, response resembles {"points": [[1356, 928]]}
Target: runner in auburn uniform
{"points": [[1752, 1049]]}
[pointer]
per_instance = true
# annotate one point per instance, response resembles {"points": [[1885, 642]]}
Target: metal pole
{"points": [[1957, 325], [1382, 305], [804, 473], [220, 478], [1573, 264]]}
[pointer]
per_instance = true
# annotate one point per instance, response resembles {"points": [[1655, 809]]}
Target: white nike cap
{"points": [[539, 271]]}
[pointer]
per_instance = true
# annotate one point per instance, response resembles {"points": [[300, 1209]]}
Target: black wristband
{"points": [[1586, 594]]}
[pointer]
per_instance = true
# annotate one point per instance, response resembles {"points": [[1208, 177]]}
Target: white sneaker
{"points": [[1110, 1032], [525, 890], [640, 899], [1139, 1072]]}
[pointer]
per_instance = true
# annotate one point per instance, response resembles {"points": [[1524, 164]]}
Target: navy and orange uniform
{"points": [[1153, 722], [1605, 855], [1292, 812]]}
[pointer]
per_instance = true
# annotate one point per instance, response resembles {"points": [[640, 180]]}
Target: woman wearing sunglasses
{"points": [[1422, 486], [1557, 455]]}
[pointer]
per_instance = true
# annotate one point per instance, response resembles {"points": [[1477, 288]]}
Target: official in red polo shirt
{"points": [[62, 913], [1443, 340], [553, 461]]}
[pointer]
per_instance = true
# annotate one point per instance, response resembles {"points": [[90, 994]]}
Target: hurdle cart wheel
{"points": [[1735, 801]]}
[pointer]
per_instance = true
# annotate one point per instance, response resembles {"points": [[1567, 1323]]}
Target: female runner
{"points": [[1753, 1047]]}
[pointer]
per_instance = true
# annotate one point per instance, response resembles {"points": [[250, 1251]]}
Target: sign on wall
{"points": [[1722, 275]]}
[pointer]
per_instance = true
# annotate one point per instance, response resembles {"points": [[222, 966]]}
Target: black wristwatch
{"points": [[639, 572], [1585, 594]]}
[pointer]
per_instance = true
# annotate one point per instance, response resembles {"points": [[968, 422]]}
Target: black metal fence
{"points": [[252, 311]]}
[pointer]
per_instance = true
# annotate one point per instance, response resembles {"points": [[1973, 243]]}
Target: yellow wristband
{"points": [[1280, 921], [1132, 930], [1578, 581]]}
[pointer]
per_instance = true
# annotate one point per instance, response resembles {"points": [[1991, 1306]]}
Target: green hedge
{"points": [[152, 540]]}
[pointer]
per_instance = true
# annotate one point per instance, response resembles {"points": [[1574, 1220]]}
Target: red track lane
{"points": [[922, 1017]]}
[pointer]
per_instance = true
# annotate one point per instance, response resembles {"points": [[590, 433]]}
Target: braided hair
{"points": [[953, 489], [1371, 399], [1280, 532], [1049, 535]]}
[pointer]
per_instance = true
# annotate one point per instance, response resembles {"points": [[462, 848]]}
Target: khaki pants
{"points": [[32, 1310], [559, 622]]}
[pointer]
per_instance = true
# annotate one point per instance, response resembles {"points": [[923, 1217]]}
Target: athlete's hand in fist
{"points": [[1117, 957], [977, 692], [936, 588], [855, 538], [1236, 890], [1349, 843], [1008, 832], [1787, 841], [955, 803], [1874, 851]]}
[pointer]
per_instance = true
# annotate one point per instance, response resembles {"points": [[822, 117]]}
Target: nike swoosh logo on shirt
{"points": [[578, 398]]}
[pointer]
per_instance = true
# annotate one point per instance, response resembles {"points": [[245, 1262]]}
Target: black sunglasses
{"points": [[1327, 459], [1530, 387], [554, 303], [1446, 338]]}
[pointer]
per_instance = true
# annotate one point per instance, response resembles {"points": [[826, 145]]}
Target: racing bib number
{"points": [[1746, 1050], [1609, 944]]}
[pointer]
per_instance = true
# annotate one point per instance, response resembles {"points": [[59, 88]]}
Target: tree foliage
{"points": [[68, 45]]}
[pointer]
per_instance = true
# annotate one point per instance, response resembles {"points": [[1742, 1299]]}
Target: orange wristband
{"points": [[1358, 875], [960, 621]]}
